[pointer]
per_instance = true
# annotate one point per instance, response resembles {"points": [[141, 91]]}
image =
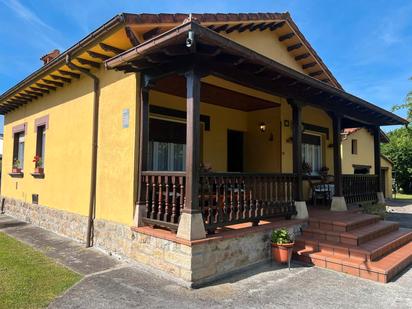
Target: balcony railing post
{"points": [[191, 224], [141, 211]]}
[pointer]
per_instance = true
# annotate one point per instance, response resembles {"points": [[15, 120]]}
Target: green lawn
{"points": [[29, 279], [400, 196]]}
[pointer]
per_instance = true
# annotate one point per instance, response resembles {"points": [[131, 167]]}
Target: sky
{"points": [[366, 44]]}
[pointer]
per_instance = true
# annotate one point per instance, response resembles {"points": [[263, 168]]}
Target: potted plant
{"points": [[38, 165], [16, 166], [282, 245]]}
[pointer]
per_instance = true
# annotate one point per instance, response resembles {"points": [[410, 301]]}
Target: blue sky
{"points": [[366, 44]]}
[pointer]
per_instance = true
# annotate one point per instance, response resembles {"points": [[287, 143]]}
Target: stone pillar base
{"points": [[302, 210], [381, 198], [191, 226], [140, 213], [338, 204]]}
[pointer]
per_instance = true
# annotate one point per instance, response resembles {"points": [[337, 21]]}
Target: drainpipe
{"points": [[92, 202]]}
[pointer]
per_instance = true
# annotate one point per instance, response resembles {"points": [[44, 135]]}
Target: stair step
{"points": [[366, 233], [341, 222]]}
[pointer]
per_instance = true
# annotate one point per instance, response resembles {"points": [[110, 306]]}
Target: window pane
{"points": [[312, 152], [20, 153], [179, 152], [162, 156]]}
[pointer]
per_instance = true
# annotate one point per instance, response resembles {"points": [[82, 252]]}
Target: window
{"points": [[354, 146], [167, 145], [312, 151], [40, 143], [18, 150]]}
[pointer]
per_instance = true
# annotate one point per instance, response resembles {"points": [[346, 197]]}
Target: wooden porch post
{"points": [[337, 158], [377, 155], [297, 148], [141, 210], [191, 225]]}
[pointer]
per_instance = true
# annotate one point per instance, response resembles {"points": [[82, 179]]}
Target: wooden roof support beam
{"points": [[267, 26], [309, 65], [317, 73], [98, 55], [277, 26], [19, 101], [25, 96], [88, 62], [257, 26], [233, 28], [302, 56], [221, 28], [110, 48], [325, 80], [39, 89], [245, 27], [295, 46], [176, 50], [287, 36], [52, 82], [151, 33], [46, 86], [39, 94], [63, 79], [131, 36], [68, 73]]}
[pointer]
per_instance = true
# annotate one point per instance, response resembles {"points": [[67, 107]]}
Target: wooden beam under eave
{"points": [[110, 48], [52, 82], [295, 46], [287, 36], [24, 97], [38, 94], [266, 26], [88, 62], [39, 89], [221, 28], [277, 26], [151, 33], [131, 36], [317, 73], [63, 79], [309, 65], [46, 86], [325, 80], [68, 73], [302, 56], [233, 28], [245, 27], [98, 55], [257, 26]]}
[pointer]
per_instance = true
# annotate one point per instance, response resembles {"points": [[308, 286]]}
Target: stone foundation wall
{"points": [[193, 264]]}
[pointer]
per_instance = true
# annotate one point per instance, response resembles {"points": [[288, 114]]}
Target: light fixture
{"points": [[262, 127]]}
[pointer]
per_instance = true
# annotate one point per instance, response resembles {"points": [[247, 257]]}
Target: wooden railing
{"points": [[163, 193], [358, 189], [230, 198]]}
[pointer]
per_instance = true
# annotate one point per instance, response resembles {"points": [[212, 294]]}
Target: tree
{"points": [[399, 150], [407, 105]]}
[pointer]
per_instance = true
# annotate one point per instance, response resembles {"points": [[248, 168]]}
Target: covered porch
{"points": [[195, 200]]}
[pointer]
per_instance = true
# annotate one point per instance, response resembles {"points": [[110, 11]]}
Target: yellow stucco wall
{"points": [[67, 161]]}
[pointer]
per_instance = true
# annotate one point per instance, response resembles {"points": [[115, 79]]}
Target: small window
{"points": [[354, 146], [41, 139], [18, 150]]}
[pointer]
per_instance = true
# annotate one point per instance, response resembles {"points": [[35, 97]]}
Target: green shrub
{"points": [[281, 236]]}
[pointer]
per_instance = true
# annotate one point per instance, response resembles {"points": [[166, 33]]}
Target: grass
{"points": [[400, 196], [29, 279]]}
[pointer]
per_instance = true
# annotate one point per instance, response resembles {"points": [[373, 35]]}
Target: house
{"points": [[357, 157], [178, 141]]}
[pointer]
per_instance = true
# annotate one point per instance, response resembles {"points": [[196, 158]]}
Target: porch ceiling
{"points": [[168, 54]]}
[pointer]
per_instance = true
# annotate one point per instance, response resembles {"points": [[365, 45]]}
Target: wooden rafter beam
{"points": [[40, 89], [109, 48], [46, 86], [302, 56], [25, 96], [309, 65], [176, 50], [277, 26], [35, 93], [98, 55], [287, 36], [268, 25], [63, 79], [317, 73], [131, 36], [233, 28], [257, 26], [294, 46], [325, 80], [88, 62], [245, 27], [52, 82], [19, 101], [68, 73], [151, 33]]}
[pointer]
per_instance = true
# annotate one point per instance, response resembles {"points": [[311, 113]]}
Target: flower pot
{"points": [[38, 170], [280, 253], [16, 170]]}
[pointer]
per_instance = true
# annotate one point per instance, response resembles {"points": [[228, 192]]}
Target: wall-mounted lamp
{"points": [[262, 127]]}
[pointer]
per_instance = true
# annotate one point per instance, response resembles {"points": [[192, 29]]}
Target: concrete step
{"points": [[341, 221], [369, 232]]}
